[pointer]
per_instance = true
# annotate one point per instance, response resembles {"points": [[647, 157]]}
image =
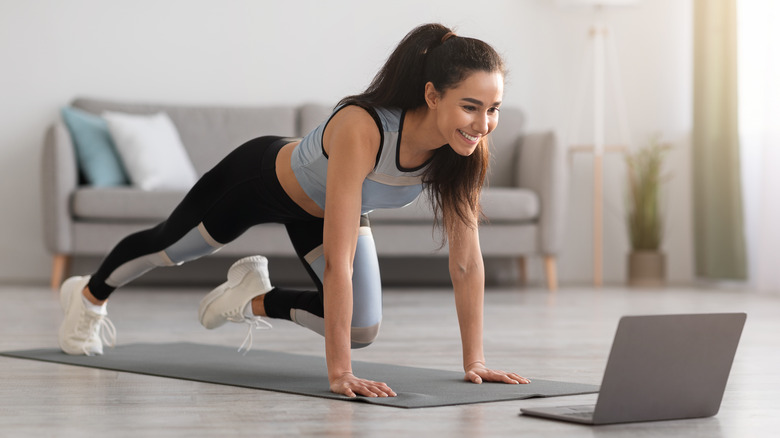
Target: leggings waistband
{"points": [[271, 180]]}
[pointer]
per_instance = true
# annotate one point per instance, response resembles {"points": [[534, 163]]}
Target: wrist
{"points": [[333, 376], [474, 364]]}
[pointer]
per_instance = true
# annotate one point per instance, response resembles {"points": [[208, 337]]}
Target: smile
{"points": [[469, 137]]}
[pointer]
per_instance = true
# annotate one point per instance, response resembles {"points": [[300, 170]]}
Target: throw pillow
{"points": [[151, 150], [95, 151]]}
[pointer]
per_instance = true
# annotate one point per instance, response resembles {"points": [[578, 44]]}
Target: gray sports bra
{"points": [[387, 186]]}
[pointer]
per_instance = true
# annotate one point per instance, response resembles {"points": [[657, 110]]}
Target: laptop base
{"points": [[576, 414]]}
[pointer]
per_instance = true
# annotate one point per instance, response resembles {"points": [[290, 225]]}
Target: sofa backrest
{"points": [[311, 115], [211, 132], [504, 147]]}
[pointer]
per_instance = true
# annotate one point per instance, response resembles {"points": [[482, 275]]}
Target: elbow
{"points": [[458, 270], [465, 269], [337, 269]]}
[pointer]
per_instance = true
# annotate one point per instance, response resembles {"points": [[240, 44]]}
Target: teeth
{"points": [[470, 137]]}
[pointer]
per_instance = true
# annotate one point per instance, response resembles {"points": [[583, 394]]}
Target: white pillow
{"points": [[151, 150]]}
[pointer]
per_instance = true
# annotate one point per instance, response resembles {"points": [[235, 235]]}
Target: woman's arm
{"points": [[467, 271], [351, 141]]}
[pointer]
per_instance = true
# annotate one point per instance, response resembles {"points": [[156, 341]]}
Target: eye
{"points": [[494, 110], [469, 108]]}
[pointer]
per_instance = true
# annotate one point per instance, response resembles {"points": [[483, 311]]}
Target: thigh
{"points": [[222, 188], [306, 238], [243, 190]]}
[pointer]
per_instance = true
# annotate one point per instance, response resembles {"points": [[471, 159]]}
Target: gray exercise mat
{"points": [[301, 374]]}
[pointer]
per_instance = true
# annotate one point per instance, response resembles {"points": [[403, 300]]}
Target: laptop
{"points": [[661, 367]]}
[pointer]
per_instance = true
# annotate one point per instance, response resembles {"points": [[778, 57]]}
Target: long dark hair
{"points": [[432, 53]]}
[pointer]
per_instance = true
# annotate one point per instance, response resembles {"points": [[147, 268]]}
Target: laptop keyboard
{"points": [[580, 414], [580, 411]]}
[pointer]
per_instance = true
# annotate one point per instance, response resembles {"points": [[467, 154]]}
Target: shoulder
{"points": [[353, 124], [357, 117]]}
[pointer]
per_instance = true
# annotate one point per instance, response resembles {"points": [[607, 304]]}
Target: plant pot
{"points": [[646, 268]]}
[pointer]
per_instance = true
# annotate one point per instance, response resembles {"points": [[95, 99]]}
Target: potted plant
{"points": [[646, 262]]}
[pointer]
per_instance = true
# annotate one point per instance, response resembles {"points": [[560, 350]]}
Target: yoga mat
{"points": [[301, 374]]}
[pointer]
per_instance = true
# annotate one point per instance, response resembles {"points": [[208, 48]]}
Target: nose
{"points": [[481, 124]]}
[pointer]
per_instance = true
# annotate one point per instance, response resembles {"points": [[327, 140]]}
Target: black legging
{"points": [[239, 192]]}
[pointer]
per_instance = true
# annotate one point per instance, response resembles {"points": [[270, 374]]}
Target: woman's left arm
{"points": [[467, 271]]}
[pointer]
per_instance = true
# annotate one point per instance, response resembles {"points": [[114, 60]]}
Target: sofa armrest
{"points": [[541, 168], [59, 174]]}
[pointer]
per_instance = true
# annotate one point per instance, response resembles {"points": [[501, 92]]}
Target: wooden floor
{"points": [[564, 336]]}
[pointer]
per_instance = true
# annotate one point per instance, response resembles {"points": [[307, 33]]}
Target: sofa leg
{"points": [[522, 272], [551, 271], [59, 269]]}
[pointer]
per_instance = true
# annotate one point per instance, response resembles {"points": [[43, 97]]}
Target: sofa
{"points": [[523, 202]]}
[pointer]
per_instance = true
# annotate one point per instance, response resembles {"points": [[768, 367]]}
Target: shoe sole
{"points": [[234, 277]]}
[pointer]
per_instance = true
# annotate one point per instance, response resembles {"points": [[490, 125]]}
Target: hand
{"points": [[349, 385], [478, 372]]}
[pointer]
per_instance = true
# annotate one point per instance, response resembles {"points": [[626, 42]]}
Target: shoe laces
{"points": [[255, 322], [97, 327]]}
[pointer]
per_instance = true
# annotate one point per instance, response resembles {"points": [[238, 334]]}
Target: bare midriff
{"points": [[290, 183]]}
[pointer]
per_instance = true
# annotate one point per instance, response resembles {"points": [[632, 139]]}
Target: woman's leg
{"points": [[223, 204], [220, 206], [306, 307]]}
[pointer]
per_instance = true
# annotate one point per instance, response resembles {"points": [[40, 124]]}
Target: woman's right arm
{"points": [[351, 141]]}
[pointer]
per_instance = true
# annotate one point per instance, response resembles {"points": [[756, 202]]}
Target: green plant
{"points": [[645, 216]]}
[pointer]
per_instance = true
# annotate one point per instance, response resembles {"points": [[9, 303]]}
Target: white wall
{"points": [[257, 52]]}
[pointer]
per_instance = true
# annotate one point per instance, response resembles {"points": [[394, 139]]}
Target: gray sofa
{"points": [[524, 201]]}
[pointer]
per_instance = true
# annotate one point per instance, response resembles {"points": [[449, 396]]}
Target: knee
{"points": [[364, 336], [195, 244]]}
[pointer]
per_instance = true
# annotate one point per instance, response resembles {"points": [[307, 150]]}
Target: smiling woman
{"points": [[421, 125], [465, 118]]}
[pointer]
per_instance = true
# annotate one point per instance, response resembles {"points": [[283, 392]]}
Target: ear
{"points": [[432, 95]]}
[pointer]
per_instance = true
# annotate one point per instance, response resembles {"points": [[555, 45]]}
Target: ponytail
{"points": [[400, 83]]}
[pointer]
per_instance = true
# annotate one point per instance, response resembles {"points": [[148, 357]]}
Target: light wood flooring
{"points": [[561, 336]]}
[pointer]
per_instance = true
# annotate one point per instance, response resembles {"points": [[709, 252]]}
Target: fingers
{"points": [[370, 388], [473, 377], [511, 378], [352, 386], [521, 380], [487, 375]]}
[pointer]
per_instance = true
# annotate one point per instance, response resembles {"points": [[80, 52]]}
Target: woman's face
{"points": [[468, 111]]}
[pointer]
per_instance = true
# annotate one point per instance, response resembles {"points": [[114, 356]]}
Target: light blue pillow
{"points": [[95, 150]]}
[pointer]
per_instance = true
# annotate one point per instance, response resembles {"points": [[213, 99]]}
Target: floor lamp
{"points": [[604, 56]]}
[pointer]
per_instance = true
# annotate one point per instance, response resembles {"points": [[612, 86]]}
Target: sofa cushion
{"points": [[124, 204], [95, 149], [151, 151], [499, 204]]}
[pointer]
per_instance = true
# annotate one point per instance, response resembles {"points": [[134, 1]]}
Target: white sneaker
{"points": [[246, 279], [83, 331]]}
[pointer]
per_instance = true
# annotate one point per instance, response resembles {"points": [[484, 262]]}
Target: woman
{"points": [[421, 124]]}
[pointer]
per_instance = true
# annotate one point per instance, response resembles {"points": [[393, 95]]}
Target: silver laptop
{"points": [[661, 367]]}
